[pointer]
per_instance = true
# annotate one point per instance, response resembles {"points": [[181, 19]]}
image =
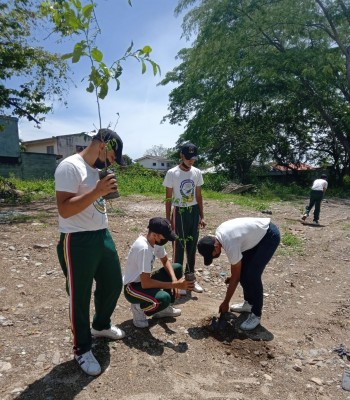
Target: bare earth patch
{"points": [[291, 356]]}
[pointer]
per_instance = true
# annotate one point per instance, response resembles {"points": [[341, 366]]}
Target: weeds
{"points": [[291, 244], [18, 217]]}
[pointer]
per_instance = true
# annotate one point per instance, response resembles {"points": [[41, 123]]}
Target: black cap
{"points": [[163, 227], [107, 135], [206, 247], [324, 176], [190, 151]]}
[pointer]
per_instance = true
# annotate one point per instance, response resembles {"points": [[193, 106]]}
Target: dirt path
{"points": [[306, 316]]}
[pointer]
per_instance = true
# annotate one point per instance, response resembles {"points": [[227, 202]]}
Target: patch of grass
{"points": [[245, 200], [116, 211], [290, 244], [16, 217]]}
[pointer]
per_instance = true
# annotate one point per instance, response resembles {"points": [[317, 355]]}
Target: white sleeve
{"points": [[168, 180], [200, 180], [145, 260], [67, 178], [159, 251]]}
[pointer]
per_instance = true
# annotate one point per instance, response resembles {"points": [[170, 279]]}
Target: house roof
{"points": [[155, 158], [43, 140], [291, 166]]}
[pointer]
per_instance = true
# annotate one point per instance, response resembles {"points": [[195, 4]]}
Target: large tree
{"points": [[260, 76], [41, 75], [30, 76]]}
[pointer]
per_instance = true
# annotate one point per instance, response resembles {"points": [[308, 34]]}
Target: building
{"points": [[22, 165], [156, 163], [62, 146]]}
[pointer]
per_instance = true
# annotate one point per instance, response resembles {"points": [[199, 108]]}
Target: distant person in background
{"points": [[183, 193], [86, 250], [318, 189]]}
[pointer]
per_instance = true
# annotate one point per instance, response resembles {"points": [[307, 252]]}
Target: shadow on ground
{"points": [[227, 328], [67, 380], [143, 340]]}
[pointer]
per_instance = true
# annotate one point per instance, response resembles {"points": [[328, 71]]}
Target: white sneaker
{"points": [[170, 311], [88, 363], [113, 333], [242, 307], [251, 322], [197, 288], [183, 292], [139, 317]]}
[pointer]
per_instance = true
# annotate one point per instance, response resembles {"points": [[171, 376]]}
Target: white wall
{"points": [[148, 163], [67, 145], [41, 147]]}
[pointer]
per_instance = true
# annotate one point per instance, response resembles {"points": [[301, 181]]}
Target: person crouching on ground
{"points": [[249, 244], [151, 294]]}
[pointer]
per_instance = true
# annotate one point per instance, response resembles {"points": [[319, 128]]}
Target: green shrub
{"points": [[346, 181]]}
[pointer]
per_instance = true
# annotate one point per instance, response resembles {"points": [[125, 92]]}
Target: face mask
{"points": [[162, 242], [101, 164]]}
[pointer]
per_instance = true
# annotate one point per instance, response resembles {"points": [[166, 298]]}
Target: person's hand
{"points": [[176, 293], [202, 223], [185, 285], [224, 307], [107, 185]]}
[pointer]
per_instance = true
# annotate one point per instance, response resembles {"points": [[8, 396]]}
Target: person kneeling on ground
{"points": [[151, 294], [249, 244]]}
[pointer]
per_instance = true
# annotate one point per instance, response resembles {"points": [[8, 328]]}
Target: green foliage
{"points": [[279, 86], [136, 179], [215, 182], [39, 75], [346, 181], [290, 244], [72, 18], [14, 190]]}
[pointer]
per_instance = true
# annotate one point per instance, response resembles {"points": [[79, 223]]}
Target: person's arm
{"points": [[168, 268], [70, 204], [168, 199], [199, 199], [233, 283], [147, 282]]}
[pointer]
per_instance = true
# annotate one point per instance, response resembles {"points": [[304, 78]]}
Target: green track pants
{"points": [[85, 257]]}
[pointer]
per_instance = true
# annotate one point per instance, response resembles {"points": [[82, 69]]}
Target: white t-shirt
{"points": [[140, 259], [241, 234], [184, 185], [74, 175], [319, 184]]}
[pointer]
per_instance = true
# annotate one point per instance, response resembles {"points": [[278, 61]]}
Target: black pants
{"points": [[254, 262], [315, 200], [186, 225]]}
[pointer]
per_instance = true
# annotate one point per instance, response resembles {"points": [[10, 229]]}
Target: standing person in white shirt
{"points": [[318, 189], [184, 207], [151, 293], [249, 244], [86, 250]]}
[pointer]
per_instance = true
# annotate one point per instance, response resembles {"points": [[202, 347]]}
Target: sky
{"points": [[141, 104]]}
